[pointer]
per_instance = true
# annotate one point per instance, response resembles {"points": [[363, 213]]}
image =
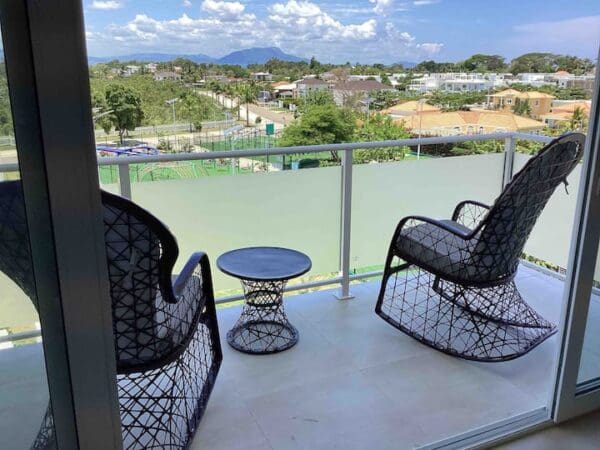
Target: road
{"points": [[280, 119]]}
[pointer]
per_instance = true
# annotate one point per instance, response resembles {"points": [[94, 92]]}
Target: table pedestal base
{"points": [[263, 326]]}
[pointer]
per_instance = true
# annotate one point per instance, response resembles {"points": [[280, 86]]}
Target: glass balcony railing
{"points": [[341, 215]]}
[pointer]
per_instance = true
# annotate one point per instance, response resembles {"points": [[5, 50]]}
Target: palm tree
{"points": [[238, 92], [577, 121], [248, 94]]}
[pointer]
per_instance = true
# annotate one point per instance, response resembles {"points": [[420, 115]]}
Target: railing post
{"points": [[346, 221], [124, 181], [509, 159]]}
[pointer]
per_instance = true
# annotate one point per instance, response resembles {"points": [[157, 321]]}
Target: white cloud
{"points": [[187, 3], [382, 6], [107, 5], [425, 2], [226, 10], [307, 21], [397, 36], [300, 27], [431, 48]]}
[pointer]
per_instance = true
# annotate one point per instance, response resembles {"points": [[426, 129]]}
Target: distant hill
{"points": [[257, 55], [151, 57], [407, 64]]}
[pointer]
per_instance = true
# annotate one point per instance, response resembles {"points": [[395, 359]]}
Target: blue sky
{"points": [[365, 31]]}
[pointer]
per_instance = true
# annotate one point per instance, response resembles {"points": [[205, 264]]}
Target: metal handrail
{"points": [[345, 277]]}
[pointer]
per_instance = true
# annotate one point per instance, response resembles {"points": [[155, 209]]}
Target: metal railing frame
{"points": [[345, 277]]}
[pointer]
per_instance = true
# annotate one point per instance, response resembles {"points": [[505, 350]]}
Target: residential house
{"points": [[283, 89], [536, 79], [468, 122], [346, 94], [262, 76], [409, 108], [151, 67], [458, 82], [304, 86], [568, 81], [364, 77], [166, 75], [130, 70], [540, 103], [562, 112]]}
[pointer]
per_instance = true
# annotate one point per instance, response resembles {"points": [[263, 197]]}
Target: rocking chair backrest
{"points": [[15, 253], [507, 226], [140, 254]]}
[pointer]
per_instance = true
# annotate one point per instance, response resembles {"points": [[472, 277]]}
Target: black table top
{"points": [[264, 263]]}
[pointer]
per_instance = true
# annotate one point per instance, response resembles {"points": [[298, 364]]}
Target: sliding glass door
{"points": [[579, 366]]}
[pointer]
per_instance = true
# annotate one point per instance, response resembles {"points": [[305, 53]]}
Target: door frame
{"points": [[570, 400], [48, 80]]}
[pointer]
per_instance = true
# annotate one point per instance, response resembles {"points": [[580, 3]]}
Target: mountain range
{"points": [[256, 55]]}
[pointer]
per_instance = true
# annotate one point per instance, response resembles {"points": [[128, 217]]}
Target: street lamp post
{"points": [[420, 113], [172, 103]]}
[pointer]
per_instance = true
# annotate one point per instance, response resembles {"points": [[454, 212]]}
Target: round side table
{"points": [[263, 326]]}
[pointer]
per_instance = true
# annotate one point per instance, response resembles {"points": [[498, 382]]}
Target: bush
{"points": [[164, 145], [308, 163], [258, 120]]}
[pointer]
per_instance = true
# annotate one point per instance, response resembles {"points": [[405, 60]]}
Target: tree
{"points": [[126, 107], [380, 128], [194, 109], [321, 124], [454, 101], [316, 97], [314, 64], [484, 63], [578, 120], [522, 108], [534, 62], [101, 112], [248, 93]]}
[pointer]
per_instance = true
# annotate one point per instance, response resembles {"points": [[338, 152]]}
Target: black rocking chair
{"points": [[165, 333], [450, 283]]}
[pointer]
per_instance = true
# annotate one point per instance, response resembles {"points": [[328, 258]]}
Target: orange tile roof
{"points": [[585, 106], [409, 106], [461, 119], [519, 94]]}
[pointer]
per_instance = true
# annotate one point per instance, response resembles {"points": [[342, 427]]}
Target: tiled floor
{"points": [[352, 382], [582, 433]]}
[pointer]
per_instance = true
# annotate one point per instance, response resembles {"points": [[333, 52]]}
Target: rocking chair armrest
{"points": [[438, 223], [469, 213], [190, 302]]}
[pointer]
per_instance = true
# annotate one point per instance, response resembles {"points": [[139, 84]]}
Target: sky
{"points": [[337, 31]]}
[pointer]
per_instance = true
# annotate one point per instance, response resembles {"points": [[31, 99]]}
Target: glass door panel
{"points": [[25, 414]]}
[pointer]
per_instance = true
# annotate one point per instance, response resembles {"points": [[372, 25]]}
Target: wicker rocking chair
{"points": [[450, 283], [165, 333]]}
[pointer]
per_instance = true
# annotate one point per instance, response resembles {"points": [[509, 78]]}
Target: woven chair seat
{"points": [[437, 248]]}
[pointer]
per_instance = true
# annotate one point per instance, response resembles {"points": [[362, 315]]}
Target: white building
{"points": [[459, 82], [162, 76], [151, 67], [304, 86], [262, 76], [130, 70]]}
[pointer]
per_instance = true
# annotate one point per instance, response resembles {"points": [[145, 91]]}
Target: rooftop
{"points": [[410, 106], [519, 94], [479, 118], [351, 382], [312, 82], [361, 85]]}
